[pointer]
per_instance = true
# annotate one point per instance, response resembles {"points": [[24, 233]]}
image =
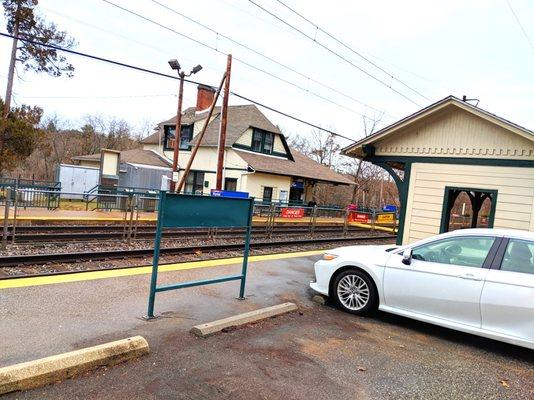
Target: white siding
{"points": [[456, 133], [515, 197], [278, 146], [246, 138]]}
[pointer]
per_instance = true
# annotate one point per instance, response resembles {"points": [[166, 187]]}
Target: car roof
{"points": [[493, 232]]}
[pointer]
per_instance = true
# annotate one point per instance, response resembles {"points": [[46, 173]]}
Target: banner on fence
{"points": [[292, 212], [385, 218], [359, 217]]}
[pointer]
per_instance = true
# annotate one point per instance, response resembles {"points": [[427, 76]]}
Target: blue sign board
{"points": [[390, 208], [228, 193]]}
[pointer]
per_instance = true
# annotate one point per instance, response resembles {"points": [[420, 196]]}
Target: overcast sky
{"points": [[436, 48]]}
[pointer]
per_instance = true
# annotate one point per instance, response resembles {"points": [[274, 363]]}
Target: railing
{"points": [[118, 198], [40, 194], [130, 211]]}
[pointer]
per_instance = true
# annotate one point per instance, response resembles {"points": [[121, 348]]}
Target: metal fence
{"points": [[130, 211], [32, 193], [120, 198]]}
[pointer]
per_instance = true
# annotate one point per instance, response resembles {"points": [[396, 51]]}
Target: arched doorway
{"points": [[468, 208]]}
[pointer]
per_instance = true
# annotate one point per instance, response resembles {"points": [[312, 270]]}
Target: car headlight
{"points": [[329, 257]]}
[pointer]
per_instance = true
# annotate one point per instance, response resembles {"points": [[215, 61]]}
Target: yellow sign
{"points": [[385, 218]]}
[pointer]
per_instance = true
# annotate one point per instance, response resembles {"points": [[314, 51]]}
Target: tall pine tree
{"points": [[24, 22]]}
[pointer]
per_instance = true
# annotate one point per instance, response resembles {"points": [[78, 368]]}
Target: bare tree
{"points": [[320, 146], [369, 126]]}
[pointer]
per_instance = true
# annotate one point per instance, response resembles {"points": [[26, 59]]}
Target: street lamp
{"points": [[175, 65]]}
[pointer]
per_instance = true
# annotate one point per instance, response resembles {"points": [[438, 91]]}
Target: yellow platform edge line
{"points": [[115, 273]]}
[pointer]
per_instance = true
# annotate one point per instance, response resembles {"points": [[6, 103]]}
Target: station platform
{"points": [[317, 352], [42, 316], [37, 216]]}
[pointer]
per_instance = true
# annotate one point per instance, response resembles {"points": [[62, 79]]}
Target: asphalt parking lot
{"points": [[318, 352]]}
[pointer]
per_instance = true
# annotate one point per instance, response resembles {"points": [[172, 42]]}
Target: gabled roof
{"points": [[434, 108], [302, 166], [240, 118], [136, 156]]}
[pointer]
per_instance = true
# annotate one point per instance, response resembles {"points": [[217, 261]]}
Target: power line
{"points": [[352, 50], [335, 53], [258, 53], [292, 117], [101, 97], [235, 58], [161, 74], [520, 24]]}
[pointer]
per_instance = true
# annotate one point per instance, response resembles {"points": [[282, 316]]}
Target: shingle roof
{"points": [[303, 167], [138, 156], [240, 118]]}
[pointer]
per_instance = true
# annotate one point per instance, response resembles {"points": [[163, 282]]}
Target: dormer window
{"points": [[262, 141], [185, 137]]}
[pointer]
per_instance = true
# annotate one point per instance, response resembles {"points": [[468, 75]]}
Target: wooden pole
{"points": [[200, 136], [224, 123], [178, 130]]}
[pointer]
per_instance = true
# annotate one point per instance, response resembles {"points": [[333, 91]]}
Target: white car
{"points": [[479, 281]]}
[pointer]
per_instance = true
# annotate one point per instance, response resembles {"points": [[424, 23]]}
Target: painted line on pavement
{"points": [[115, 273]]}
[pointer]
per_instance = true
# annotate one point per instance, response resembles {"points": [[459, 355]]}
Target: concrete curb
{"points": [[47, 370], [210, 328]]}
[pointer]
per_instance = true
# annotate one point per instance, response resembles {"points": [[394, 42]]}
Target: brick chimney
{"points": [[205, 96]]}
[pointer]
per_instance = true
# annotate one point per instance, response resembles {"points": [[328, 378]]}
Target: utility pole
{"points": [[177, 133], [200, 136], [224, 123], [175, 65]]}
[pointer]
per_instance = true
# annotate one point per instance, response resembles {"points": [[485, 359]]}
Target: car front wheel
{"points": [[355, 292]]}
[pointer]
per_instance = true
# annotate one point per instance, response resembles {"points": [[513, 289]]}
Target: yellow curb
{"points": [[114, 273]]}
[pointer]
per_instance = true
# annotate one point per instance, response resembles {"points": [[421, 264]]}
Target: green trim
{"points": [[402, 187], [241, 146], [264, 134], [274, 153], [449, 197], [452, 160]]}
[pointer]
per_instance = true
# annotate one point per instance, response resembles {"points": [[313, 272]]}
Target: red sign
{"points": [[292, 212], [359, 217]]}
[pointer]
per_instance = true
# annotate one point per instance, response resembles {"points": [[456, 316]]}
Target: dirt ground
{"points": [[317, 353]]}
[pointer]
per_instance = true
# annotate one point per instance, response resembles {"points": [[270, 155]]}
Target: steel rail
{"points": [[33, 259], [149, 233]]}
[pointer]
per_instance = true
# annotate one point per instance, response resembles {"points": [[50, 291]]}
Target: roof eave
{"points": [[412, 118]]}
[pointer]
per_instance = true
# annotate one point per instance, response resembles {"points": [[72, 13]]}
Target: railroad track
{"points": [[117, 234], [36, 259]]}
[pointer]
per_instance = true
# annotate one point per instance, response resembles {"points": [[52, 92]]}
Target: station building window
{"points": [[230, 184], [468, 208], [267, 194], [185, 137], [194, 184], [262, 141]]}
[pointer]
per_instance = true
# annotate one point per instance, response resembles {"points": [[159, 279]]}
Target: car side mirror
{"points": [[407, 257]]}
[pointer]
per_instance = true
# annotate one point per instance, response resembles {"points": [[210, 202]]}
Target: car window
{"points": [[519, 256], [467, 251]]}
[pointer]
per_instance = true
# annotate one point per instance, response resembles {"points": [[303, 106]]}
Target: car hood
{"points": [[376, 252]]}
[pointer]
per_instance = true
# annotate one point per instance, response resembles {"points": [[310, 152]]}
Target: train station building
{"points": [[257, 158], [455, 166]]}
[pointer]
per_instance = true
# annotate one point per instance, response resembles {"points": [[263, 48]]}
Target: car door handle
{"points": [[471, 277]]}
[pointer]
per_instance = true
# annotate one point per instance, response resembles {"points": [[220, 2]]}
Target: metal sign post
{"points": [[192, 211]]}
